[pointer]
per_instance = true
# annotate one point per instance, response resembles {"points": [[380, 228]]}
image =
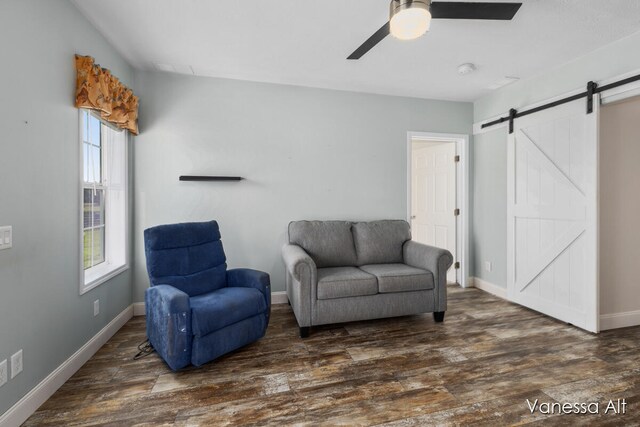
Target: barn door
{"points": [[552, 214]]}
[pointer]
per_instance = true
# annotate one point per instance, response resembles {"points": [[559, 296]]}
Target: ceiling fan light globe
{"points": [[409, 19]]}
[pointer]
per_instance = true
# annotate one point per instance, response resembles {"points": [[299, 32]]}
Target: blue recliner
{"points": [[197, 310]]}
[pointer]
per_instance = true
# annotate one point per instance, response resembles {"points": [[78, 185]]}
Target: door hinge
{"points": [[456, 212], [457, 265], [456, 158]]}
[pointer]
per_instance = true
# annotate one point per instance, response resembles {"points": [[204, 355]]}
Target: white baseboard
{"points": [[496, 290], [619, 320], [278, 297], [607, 321], [26, 406], [138, 309]]}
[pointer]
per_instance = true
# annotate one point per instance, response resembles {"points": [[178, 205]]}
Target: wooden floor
{"points": [[478, 367]]}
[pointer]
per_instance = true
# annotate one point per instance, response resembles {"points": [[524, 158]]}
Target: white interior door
{"points": [[434, 197], [552, 214]]}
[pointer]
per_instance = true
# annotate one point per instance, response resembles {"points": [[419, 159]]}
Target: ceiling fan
{"points": [[409, 19]]}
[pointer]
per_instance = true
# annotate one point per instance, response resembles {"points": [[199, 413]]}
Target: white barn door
{"points": [[552, 232]]}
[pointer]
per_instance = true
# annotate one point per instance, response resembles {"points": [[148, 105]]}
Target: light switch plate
{"points": [[3, 372], [96, 307], [16, 364], [488, 266], [6, 237]]}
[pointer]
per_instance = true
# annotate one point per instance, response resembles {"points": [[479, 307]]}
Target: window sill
{"points": [[96, 276]]}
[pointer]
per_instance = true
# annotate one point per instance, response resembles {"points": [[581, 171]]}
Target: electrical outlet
{"points": [[488, 266], [16, 364], [6, 237], [96, 307], [3, 372]]}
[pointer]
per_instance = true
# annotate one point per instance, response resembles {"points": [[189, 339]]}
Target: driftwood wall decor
{"points": [[98, 89]]}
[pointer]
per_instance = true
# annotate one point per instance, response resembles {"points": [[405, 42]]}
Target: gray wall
{"points": [[489, 218], [306, 154], [489, 240], [619, 206], [41, 310]]}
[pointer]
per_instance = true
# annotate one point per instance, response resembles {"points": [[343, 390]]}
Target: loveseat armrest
{"points": [[296, 260], [301, 282], [169, 324], [436, 260], [248, 278]]}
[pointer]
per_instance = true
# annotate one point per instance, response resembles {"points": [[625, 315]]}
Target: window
{"points": [[103, 201]]}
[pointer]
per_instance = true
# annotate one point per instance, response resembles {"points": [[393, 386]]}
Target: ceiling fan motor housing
{"points": [[409, 19], [400, 5]]}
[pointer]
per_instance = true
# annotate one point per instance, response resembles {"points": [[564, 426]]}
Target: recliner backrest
{"points": [[187, 256]]}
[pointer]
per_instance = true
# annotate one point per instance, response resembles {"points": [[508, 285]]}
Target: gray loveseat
{"points": [[339, 271]]}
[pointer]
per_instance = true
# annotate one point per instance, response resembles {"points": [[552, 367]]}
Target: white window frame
{"points": [[101, 273]]}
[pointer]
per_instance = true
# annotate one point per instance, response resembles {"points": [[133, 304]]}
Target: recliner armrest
{"points": [[168, 299], [248, 278], [296, 260], [436, 260], [169, 324]]}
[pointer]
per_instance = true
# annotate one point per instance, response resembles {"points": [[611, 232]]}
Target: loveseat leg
{"points": [[304, 331], [438, 316]]}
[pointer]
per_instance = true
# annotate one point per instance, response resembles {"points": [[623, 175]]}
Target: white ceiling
{"points": [[305, 42]]}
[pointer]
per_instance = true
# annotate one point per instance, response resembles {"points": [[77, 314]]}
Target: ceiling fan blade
{"points": [[457, 10], [371, 42]]}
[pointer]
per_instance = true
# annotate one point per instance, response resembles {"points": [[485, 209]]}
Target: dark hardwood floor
{"points": [[478, 367]]}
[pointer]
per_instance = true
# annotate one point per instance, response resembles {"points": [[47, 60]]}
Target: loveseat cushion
{"points": [[380, 242], [399, 277], [213, 311], [343, 282], [328, 243]]}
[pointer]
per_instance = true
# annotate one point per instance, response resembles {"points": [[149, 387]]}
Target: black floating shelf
{"points": [[209, 178]]}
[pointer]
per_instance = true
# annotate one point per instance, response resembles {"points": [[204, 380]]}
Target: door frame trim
{"points": [[462, 193]]}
